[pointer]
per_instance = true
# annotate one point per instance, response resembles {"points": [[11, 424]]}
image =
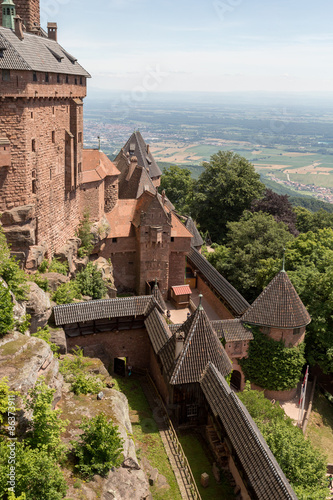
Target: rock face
{"points": [[100, 230], [18, 215], [58, 337], [55, 280], [24, 359], [106, 269], [126, 484], [36, 256], [69, 252], [38, 306], [19, 308]]}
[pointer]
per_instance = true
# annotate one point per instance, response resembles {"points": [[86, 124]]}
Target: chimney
{"points": [[52, 31], [132, 167], [18, 27], [180, 337], [163, 197], [147, 149]]}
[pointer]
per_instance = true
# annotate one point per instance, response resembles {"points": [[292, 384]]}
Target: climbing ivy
{"points": [[272, 365]]}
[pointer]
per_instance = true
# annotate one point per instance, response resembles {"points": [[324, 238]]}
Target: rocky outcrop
{"points": [[38, 306], [18, 215], [58, 337], [55, 280], [106, 269], [24, 359], [126, 484], [69, 253], [100, 230], [36, 256]]}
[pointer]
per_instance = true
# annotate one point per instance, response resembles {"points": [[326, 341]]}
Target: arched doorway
{"points": [[236, 380]]}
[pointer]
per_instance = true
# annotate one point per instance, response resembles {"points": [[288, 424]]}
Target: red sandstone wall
{"points": [[287, 336], [92, 197], [21, 84], [177, 265], [157, 377], [132, 344], [215, 303]]}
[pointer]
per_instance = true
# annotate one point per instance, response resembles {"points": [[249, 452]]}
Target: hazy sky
{"points": [[198, 45]]}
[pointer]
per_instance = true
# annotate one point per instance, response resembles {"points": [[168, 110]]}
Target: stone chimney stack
{"points": [[132, 167], [18, 27], [163, 197], [52, 31], [180, 337]]}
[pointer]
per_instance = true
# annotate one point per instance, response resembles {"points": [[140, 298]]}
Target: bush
{"points": [[6, 310], [15, 278], [44, 266], [24, 324], [272, 365], [85, 235], [90, 282], [40, 281], [100, 446], [4, 393], [84, 384], [47, 425], [37, 474], [74, 371], [44, 334], [67, 293], [58, 267]]}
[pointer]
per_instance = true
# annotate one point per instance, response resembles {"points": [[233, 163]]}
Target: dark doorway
{"points": [[149, 287], [120, 366], [236, 380]]}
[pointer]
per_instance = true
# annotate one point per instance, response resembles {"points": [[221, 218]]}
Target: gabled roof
{"points": [[157, 329], [232, 330], [234, 301], [36, 53], [120, 218], [196, 241], [96, 166], [278, 306], [178, 230], [181, 290], [263, 473], [201, 345], [156, 292], [136, 146], [132, 181], [99, 309]]}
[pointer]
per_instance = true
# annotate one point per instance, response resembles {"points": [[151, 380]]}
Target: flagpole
{"points": [[303, 396]]}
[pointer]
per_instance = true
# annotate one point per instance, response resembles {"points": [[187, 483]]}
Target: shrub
{"points": [[84, 384], [46, 424], [44, 266], [272, 365], [24, 324], [37, 474], [15, 278], [4, 393], [90, 282], [58, 267], [85, 235], [6, 310], [99, 448], [44, 334], [40, 281], [67, 293]]}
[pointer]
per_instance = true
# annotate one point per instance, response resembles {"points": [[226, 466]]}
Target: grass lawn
{"points": [[146, 436], [199, 463], [320, 427]]}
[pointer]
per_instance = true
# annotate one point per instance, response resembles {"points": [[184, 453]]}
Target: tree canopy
{"points": [[279, 206], [178, 185], [226, 188]]}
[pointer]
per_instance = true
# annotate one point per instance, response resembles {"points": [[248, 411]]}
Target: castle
{"points": [[47, 181]]}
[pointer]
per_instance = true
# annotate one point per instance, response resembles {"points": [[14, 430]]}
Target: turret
{"points": [[8, 14]]}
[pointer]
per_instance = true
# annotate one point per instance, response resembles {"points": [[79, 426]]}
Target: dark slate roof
{"points": [[200, 346], [156, 292], [136, 146], [99, 309], [196, 241], [132, 187], [174, 327], [259, 464], [232, 330], [157, 329], [234, 300], [36, 53], [278, 306]]}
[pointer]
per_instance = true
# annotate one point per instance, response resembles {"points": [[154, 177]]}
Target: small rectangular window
{"points": [[6, 75], [58, 78], [53, 110], [80, 137], [81, 80], [79, 167], [172, 239], [66, 78], [114, 240], [296, 331], [53, 136], [33, 145], [75, 81], [32, 115], [46, 78], [34, 76]]}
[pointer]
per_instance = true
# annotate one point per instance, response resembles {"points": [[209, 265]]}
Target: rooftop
{"points": [[278, 306], [136, 146]]}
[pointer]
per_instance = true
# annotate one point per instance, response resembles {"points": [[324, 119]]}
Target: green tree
{"points": [[304, 466], [85, 235], [178, 185], [254, 237], [47, 425], [36, 473], [99, 448], [90, 282], [6, 310], [226, 188], [312, 221], [309, 263], [67, 293], [279, 206]]}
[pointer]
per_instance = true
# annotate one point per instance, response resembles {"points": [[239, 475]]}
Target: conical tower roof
{"points": [[201, 345], [278, 306]]}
